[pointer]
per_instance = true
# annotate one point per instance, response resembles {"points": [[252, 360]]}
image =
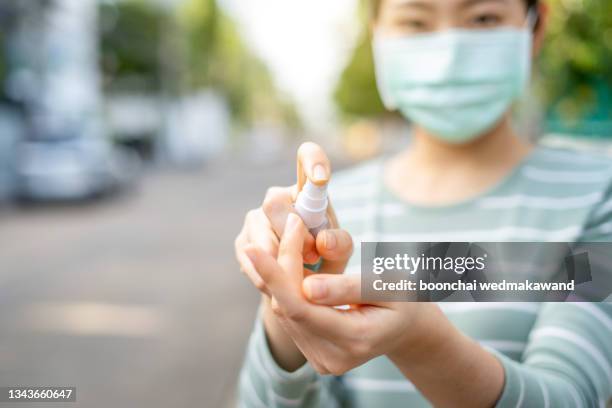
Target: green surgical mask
{"points": [[456, 84]]}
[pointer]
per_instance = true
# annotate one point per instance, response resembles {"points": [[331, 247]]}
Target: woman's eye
{"points": [[413, 25], [487, 20]]}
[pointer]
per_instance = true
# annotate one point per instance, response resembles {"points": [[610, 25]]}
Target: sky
{"points": [[305, 43]]}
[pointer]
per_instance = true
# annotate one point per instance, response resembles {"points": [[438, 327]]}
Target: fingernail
{"points": [[315, 289], [319, 173], [330, 240]]}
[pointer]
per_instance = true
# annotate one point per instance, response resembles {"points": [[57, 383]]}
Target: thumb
{"points": [[312, 164], [335, 247], [332, 290]]}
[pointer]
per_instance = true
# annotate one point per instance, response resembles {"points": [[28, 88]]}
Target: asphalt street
{"points": [[136, 300]]}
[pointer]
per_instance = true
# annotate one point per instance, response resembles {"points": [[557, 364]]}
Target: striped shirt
{"points": [[553, 354]]}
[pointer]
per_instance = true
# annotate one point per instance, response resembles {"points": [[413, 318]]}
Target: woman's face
{"points": [[455, 84], [411, 17]]}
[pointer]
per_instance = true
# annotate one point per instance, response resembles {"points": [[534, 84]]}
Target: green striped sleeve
{"points": [[263, 384], [598, 227], [567, 359]]}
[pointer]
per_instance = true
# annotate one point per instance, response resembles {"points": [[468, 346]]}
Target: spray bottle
{"points": [[311, 206]]}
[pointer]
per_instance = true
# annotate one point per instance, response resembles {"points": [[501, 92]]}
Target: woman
{"points": [[453, 67]]}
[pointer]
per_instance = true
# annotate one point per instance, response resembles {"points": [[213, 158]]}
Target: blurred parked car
{"points": [[72, 168]]}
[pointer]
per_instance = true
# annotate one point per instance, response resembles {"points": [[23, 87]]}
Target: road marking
{"points": [[93, 319]]}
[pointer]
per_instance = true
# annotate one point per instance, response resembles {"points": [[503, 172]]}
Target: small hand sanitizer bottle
{"points": [[311, 206]]}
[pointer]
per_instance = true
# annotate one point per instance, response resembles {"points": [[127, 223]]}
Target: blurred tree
{"points": [[199, 21], [131, 32], [575, 74], [356, 93], [219, 58], [195, 47]]}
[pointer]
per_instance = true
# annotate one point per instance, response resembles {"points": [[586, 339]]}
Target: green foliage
{"points": [[356, 93], [130, 34], [576, 64], [219, 58], [199, 25], [196, 47]]}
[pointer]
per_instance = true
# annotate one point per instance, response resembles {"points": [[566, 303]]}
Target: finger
{"points": [[335, 247], [286, 288], [328, 322], [333, 290], [312, 164], [246, 266], [277, 206], [290, 249], [280, 285], [259, 232], [331, 216]]}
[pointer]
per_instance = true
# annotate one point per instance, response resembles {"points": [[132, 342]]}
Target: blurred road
{"points": [[137, 301]]}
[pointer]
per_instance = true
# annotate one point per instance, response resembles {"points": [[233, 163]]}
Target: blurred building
{"points": [[65, 133]]}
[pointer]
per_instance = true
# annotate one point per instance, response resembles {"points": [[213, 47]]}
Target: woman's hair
{"points": [[376, 5]]}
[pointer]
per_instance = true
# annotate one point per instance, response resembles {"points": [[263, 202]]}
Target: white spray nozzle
{"points": [[311, 205]]}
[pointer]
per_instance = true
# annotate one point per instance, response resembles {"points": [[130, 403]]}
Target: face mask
{"points": [[456, 84]]}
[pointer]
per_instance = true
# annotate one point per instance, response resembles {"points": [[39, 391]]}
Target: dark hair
{"points": [[376, 5]]}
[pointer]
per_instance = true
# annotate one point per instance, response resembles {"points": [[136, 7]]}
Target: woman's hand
{"points": [[447, 367], [263, 227], [334, 341]]}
